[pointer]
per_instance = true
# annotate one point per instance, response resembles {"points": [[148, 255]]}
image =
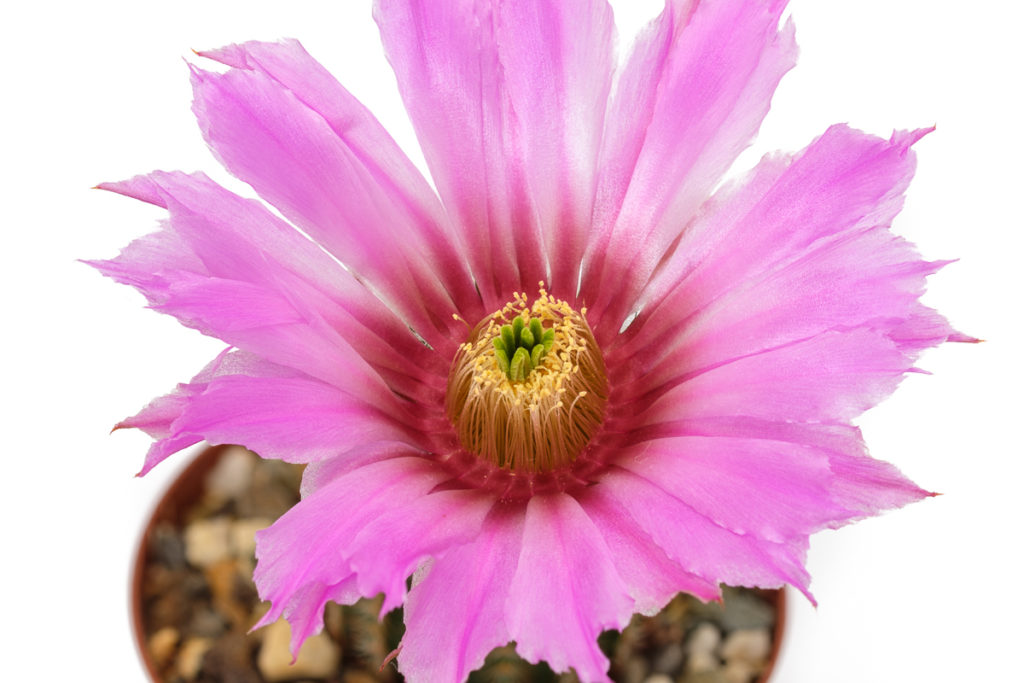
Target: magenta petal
{"points": [[304, 552], [856, 483], [700, 545], [566, 589], [294, 419], [770, 490], [390, 548], [267, 136], [445, 57], [266, 323], [688, 101], [832, 377], [288, 63], [650, 576], [509, 106], [305, 613], [556, 59], [321, 473], [158, 418], [213, 232], [800, 243], [455, 613]]}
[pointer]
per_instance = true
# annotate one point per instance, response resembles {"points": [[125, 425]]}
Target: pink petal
{"points": [[304, 554], [688, 101], [321, 473], [556, 58], [391, 547], [856, 483], [794, 256], [832, 377], [770, 490], [867, 278], [305, 613], [448, 632], [814, 226], [288, 63], [566, 589], [507, 100], [697, 543], [445, 56], [140, 263], [267, 136], [651, 578], [267, 324], [213, 232], [295, 419], [157, 419]]}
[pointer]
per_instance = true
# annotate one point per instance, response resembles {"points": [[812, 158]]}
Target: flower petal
{"points": [[770, 490], [391, 547], [697, 543], [690, 98], [565, 590], [793, 256], [508, 101], [813, 225], [158, 417], [556, 58], [651, 577], [857, 483], [304, 553], [288, 63], [214, 233], [295, 419], [267, 324], [267, 136], [832, 377], [448, 633]]}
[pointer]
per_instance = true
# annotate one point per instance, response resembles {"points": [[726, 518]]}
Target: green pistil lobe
{"points": [[521, 347]]}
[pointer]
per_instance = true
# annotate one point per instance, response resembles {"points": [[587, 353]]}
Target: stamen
{"points": [[528, 390]]}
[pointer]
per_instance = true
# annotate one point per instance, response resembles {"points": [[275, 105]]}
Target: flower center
{"points": [[527, 391]]}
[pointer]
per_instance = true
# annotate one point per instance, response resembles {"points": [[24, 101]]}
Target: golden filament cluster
{"points": [[540, 422]]}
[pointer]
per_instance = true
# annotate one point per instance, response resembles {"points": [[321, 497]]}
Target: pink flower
{"points": [[671, 412]]}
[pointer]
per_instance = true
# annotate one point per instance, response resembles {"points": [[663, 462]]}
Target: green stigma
{"points": [[521, 346]]}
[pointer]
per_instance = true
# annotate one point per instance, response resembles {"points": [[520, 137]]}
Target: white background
{"points": [[98, 91]]}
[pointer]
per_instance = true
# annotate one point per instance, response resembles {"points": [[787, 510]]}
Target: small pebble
{"points": [[162, 644], [713, 676], [243, 536], [206, 541], [658, 678], [190, 658], [357, 676], [701, 647], [745, 610], [318, 657], [232, 474], [229, 660], [670, 659], [738, 671], [166, 547], [635, 670], [206, 622], [750, 646], [223, 577]]}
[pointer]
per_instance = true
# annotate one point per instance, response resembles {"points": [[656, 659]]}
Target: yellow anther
{"points": [[524, 425]]}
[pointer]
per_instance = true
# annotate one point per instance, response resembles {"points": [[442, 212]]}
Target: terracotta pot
{"points": [[189, 488], [172, 507]]}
